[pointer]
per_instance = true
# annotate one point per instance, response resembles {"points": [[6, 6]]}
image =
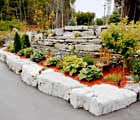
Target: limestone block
{"points": [[76, 28], [91, 47], [102, 99], [3, 55], [57, 84], [135, 87], [59, 32], [30, 72], [77, 97], [14, 63]]}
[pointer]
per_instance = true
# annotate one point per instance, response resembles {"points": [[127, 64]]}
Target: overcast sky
{"points": [[96, 6]]}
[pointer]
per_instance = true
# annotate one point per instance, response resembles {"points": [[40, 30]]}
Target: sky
{"points": [[96, 6]]}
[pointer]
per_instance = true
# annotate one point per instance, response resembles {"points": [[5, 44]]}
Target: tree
{"points": [[17, 43], [25, 42], [130, 8], [99, 21], [85, 18], [115, 17]]}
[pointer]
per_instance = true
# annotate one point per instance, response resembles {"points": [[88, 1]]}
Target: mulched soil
{"points": [[117, 70]]}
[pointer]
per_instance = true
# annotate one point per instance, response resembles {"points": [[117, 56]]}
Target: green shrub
{"points": [[136, 78], [37, 56], [136, 69], [113, 77], [17, 44], [11, 48], [72, 64], [89, 73], [52, 61], [122, 38], [76, 35], [88, 60], [28, 52], [25, 42], [99, 21], [71, 22], [21, 52], [136, 66]]}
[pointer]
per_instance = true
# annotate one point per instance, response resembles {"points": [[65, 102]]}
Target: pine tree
{"points": [[17, 44], [25, 42]]}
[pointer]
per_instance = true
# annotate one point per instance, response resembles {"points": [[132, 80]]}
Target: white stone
{"points": [[133, 87], [89, 47], [59, 32], [3, 55], [30, 72], [75, 28], [15, 63], [57, 84], [102, 99]]}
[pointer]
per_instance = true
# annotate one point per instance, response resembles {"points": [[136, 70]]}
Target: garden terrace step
{"points": [[102, 99], [30, 72], [57, 84]]}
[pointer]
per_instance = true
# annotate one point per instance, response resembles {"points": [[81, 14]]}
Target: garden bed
{"points": [[98, 99], [116, 70]]}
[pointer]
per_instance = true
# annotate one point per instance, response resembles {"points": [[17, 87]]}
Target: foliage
{"points": [[136, 66], [27, 11], [75, 51], [25, 42], [115, 17], [8, 25], [71, 22], [136, 78], [76, 35], [27, 52], [122, 38], [99, 21], [11, 48], [17, 44], [52, 61], [89, 73], [72, 64], [113, 77], [37, 56], [88, 60], [21, 52], [85, 18]]}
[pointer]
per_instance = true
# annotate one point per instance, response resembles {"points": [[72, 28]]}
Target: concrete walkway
{"points": [[21, 102]]}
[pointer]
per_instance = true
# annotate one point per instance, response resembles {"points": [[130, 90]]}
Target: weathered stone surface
{"points": [[14, 63], [56, 84], [29, 73], [59, 32], [3, 55], [92, 47], [102, 99], [135, 87], [76, 28]]}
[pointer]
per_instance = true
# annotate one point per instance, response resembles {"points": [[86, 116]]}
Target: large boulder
{"points": [[102, 99], [57, 84], [135, 87], [30, 72], [15, 63]]}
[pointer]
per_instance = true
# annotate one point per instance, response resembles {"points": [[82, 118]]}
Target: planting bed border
{"points": [[98, 99]]}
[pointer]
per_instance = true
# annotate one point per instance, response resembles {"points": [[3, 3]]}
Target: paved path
{"points": [[21, 102]]}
